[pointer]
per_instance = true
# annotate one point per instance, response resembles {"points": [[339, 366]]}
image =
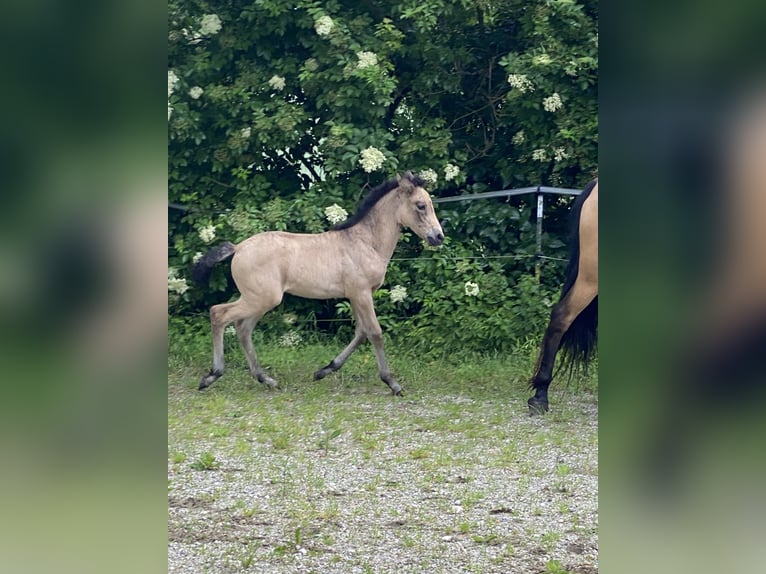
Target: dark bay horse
{"points": [[572, 328], [350, 261]]}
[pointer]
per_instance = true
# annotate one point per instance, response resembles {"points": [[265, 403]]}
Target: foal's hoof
{"points": [[209, 379], [268, 381], [397, 390], [321, 374], [537, 407]]}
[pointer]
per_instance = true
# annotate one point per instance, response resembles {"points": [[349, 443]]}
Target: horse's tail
{"points": [[201, 271], [578, 344]]}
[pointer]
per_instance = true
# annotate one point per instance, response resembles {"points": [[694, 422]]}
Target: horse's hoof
{"points": [[319, 375], [268, 382], [537, 407], [208, 380], [397, 391]]}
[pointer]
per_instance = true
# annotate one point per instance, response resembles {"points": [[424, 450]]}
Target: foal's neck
{"points": [[382, 228]]}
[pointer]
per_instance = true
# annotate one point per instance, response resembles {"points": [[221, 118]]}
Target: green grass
{"points": [[461, 418]]}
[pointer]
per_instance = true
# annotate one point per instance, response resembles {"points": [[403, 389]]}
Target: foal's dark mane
{"points": [[375, 195]]}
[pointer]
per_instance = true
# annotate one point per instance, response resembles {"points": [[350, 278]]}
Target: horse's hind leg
{"points": [[220, 316], [245, 333], [338, 361], [562, 316], [218, 322]]}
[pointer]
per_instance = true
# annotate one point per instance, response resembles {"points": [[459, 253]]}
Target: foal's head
{"points": [[416, 210]]}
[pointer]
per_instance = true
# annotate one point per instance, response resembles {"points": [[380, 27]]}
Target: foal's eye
{"points": [[421, 206]]}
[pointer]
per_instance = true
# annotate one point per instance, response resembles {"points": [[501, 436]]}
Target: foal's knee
{"points": [[376, 337]]}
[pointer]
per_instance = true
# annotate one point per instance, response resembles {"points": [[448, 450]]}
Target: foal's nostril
{"points": [[439, 237]]}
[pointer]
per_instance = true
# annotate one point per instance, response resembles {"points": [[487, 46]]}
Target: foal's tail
{"points": [[578, 345], [201, 271]]}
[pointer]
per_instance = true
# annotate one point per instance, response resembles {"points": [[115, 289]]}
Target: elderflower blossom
{"points": [[451, 171], [552, 103], [429, 176], [197, 257], [471, 288], [245, 132], [196, 92], [335, 214], [521, 82], [172, 81], [324, 26], [519, 137], [277, 83], [540, 155], [560, 154], [176, 284], [371, 159], [211, 24], [366, 59], [290, 339], [207, 233], [397, 293]]}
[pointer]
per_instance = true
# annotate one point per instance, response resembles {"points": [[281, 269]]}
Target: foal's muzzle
{"points": [[435, 238]]}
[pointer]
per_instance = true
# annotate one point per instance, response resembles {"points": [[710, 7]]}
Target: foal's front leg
{"points": [[338, 361], [364, 312]]}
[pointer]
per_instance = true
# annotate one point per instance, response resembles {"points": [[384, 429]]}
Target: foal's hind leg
{"points": [[562, 316], [220, 316], [245, 333]]}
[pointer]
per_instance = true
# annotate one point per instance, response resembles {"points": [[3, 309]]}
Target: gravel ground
{"points": [[390, 486]]}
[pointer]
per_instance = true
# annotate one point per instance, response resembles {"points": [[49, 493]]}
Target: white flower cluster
{"points": [[471, 288], [371, 159], [172, 81], [366, 59], [560, 154], [519, 137], [196, 92], [277, 83], [335, 213], [429, 176], [245, 132], [324, 26], [211, 24], [552, 103], [176, 284], [291, 339], [397, 293], [207, 233], [451, 171], [197, 257], [521, 82], [542, 60], [540, 155]]}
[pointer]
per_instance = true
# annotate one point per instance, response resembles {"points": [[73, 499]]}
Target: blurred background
{"points": [[682, 148], [82, 287]]}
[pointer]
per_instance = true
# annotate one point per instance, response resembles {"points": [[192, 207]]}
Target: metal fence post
{"points": [[539, 239]]}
